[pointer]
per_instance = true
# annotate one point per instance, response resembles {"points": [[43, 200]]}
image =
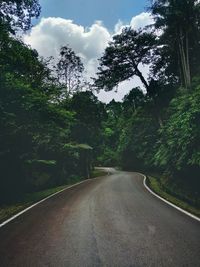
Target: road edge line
{"points": [[168, 202], [42, 200]]}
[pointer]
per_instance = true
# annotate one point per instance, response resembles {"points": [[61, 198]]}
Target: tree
{"points": [[134, 99], [69, 70], [17, 14], [122, 58], [110, 133], [89, 112], [137, 140], [23, 62], [33, 128], [179, 22]]}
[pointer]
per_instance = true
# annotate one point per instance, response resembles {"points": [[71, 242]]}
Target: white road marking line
{"points": [[166, 201]]}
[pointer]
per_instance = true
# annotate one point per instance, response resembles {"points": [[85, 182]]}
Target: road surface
{"points": [[109, 221]]}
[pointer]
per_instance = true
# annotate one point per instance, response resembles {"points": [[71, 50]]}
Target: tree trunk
{"points": [[188, 60], [139, 74], [184, 58], [183, 63]]}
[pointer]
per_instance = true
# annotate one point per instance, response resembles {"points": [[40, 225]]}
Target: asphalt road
{"points": [[109, 221]]}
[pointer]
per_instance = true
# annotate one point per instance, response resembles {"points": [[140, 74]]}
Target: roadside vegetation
{"points": [[176, 196], [54, 130]]}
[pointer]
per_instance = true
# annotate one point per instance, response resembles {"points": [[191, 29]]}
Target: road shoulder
{"points": [[176, 203]]}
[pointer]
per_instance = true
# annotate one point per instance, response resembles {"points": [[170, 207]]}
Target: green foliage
{"points": [[137, 141], [36, 130], [15, 14], [89, 113], [178, 54], [108, 157], [110, 132], [69, 70], [179, 146], [122, 58]]}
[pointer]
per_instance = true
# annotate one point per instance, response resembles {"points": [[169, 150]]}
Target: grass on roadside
{"points": [[155, 185]]}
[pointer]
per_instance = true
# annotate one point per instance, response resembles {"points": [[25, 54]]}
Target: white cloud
{"points": [[141, 20], [89, 43], [52, 33], [137, 22]]}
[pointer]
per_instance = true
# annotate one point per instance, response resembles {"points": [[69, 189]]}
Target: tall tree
{"points": [[89, 112], [121, 62], [122, 57], [69, 70], [179, 22]]}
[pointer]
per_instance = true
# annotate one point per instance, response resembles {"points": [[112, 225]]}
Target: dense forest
{"points": [[53, 127]]}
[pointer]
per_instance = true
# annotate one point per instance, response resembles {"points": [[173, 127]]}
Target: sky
{"points": [[85, 12], [87, 26]]}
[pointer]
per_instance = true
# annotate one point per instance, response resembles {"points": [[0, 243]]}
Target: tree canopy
{"points": [[69, 70], [179, 22], [123, 56], [17, 14]]}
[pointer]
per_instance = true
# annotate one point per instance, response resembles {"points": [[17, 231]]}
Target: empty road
{"points": [[109, 221]]}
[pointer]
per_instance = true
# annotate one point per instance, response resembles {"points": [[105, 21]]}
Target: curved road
{"points": [[109, 221]]}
